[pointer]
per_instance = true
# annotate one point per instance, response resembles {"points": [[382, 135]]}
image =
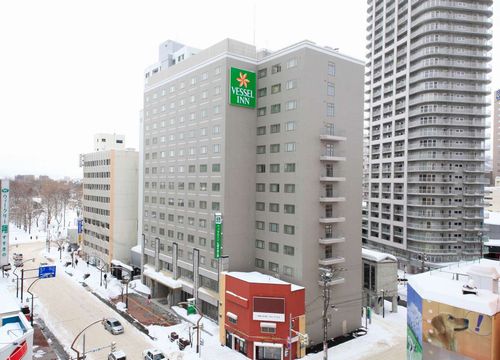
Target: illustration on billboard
{"points": [[414, 327], [454, 333]]}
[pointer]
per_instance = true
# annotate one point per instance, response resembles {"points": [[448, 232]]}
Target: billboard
{"points": [[218, 235], [441, 331], [268, 309], [242, 87], [4, 223]]}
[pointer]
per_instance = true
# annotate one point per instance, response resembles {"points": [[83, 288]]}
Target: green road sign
{"points": [[242, 88]]}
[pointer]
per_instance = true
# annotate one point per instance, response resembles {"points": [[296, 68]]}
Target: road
{"points": [[67, 308]]}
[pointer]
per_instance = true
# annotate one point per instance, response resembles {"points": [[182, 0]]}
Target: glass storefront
{"points": [[268, 353]]}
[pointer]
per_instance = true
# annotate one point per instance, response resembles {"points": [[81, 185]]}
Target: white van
{"points": [[117, 355]]}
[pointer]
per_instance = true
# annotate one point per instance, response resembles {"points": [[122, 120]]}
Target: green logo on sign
{"points": [[5, 190], [242, 88]]}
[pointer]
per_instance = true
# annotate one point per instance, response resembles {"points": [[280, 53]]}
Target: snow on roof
{"points": [[160, 277], [492, 242], [123, 265], [9, 333], [492, 217], [137, 249], [259, 278], [9, 303], [377, 256], [438, 285]]}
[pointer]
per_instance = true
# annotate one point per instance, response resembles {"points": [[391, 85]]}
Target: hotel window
{"points": [[204, 94], [289, 188], [330, 109], [217, 90], [203, 186], [275, 128], [290, 126], [262, 92], [203, 149], [276, 88], [290, 167], [216, 130], [202, 241], [330, 89], [191, 237], [274, 168], [215, 167], [290, 147], [274, 247], [274, 148], [261, 149], [289, 209], [259, 225], [292, 63], [259, 244], [262, 73], [192, 168], [261, 168], [287, 270], [291, 84], [261, 111], [216, 148], [291, 105], [204, 76], [274, 227], [202, 223], [191, 186], [276, 108], [217, 109], [274, 267], [289, 229], [215, 205], [203, 204], [273, 207], [191, 204], [215, 186], [259, 263], [171, 217], [274, 187], [180, 236], [193, 80], [260, 206], [218, 70], [261, 130], [288, 250], [180, 219], [331, 69], [276, 68], [260, 187]]}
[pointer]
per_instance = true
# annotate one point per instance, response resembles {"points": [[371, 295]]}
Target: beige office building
{"points": [[110, 186], [285, 175], [495, 131]]}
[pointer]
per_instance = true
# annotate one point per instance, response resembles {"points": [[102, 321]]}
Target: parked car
{"points": [[153, 354], [113, 326], [183, 343], [18, 259], [117, 355]]}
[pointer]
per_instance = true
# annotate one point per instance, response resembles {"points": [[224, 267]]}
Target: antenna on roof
{"points": [[254, 20]]}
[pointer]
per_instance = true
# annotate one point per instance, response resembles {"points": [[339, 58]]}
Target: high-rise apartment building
{"points": [[427, 85], [272, 143], [495, 130], [109, 199]]}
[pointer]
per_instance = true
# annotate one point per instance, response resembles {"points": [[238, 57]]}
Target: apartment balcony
{"points": [[443, 50], [426, 64], [333, 260], [448, 110], [419, 157], [476, 181], [328, 134], [419, 237], [331, 199], [336, 281], [420, 203], [435, 98], [330, 156], [443, 27], [437, 180], [432, 227], [331, 219], [477, 169], [441, 145], [424, 133], [450, 5], [451, 40], [462, 18], [474, 204], [432, 251], [331, 178], [430, 215], [449, 122], [330, 240], [449, 75]]}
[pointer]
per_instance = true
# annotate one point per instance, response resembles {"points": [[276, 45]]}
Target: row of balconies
{"points": [[437, 97], [446, 145], [461, 17], [450, 75], [442, 109], [434, 132], [451, 5], [450, 51], [442, 62], [446, 27], [439, 120], [443, 39]]}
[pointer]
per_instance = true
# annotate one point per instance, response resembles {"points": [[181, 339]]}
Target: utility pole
{"points": [[424, 258], [290, 338], [480, 236], [326, 276]]}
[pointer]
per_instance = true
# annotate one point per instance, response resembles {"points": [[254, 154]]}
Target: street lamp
{"points": [[480, 236], [73, 343], [32, 296], [198, 349], [17, 276]]}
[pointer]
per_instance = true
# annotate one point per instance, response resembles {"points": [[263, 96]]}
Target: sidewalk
{"points": [[148, 313]]}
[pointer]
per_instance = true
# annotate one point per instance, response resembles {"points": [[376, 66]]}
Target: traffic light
{"points": [[191, 309], [113, 346]]}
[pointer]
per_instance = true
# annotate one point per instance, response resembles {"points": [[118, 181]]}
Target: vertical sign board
{"points": [[497, 95], [242, 88], [4, 223], [218, 235]]}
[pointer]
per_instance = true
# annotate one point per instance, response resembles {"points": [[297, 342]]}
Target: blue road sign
{"points": [[45, 272], [80, 226]]}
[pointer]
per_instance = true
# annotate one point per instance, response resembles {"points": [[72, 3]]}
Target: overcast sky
{"points": [[71, 69]]}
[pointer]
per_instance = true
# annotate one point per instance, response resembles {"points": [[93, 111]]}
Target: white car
{"points": [[153, 354], [117, 355], [113, 326]]}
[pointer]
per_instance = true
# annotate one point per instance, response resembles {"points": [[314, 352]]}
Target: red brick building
{"points": [[256, 314]]}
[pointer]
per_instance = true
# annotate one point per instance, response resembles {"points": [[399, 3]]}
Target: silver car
{"points": [[113, 326]]}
